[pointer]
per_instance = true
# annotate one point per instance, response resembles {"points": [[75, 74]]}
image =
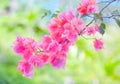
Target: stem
{"points": [[112, 16], [107, 16], [106, 6], [90, 22]]}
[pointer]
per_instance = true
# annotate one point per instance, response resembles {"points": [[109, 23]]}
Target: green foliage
{"points": [[102, 28], [56, 13]]}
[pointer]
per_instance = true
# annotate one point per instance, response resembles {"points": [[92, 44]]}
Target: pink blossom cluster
{"points": [[64, 31], [53, 48], [92, 30], [87, 7]]}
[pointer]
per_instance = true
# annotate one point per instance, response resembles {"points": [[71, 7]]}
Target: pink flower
{"points": [[91, 1], [72, 36], [78, 25], [98, 44], [53, 47], [53, 24], [62, 18], [19, 45], [58, 61], [64, 26], [92, 9], [58, 37], [96, 27], [69, 15], [24, 46], [82, 9], [87, 7], [90, 31], [67, 26], [65, 46], [46, 40], [39, 60], [26, 68]]}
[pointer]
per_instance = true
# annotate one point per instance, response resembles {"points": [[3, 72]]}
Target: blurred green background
{"points": [[29, 18]]}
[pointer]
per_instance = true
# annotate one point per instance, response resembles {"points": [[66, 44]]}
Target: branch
{"points": [[111, 16], [86, 26], [106, 16], [106, 6]]}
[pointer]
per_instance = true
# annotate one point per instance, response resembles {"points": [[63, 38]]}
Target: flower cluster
{"points": [[64, 30], [53, 48], [87, 7], [92, 30]]}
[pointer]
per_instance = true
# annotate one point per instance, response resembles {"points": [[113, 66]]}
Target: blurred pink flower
{"points": [[26, 68], [39, 60], [53, 47], [24, 46], [87, 7], [98, 44], [91, 30], [58, 61], [46, 40]]}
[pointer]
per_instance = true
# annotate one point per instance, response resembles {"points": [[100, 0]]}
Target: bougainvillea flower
{"points": [[24, 46], [26, 68], [58, 61], [64, 30], [40, 60], [87, 7], [98, 44]]}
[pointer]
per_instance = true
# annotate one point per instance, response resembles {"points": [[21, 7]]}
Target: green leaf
{"points": [[56, 13], [117, 21], [102, 31], [103, 25], [102, 28], [45, 13]]}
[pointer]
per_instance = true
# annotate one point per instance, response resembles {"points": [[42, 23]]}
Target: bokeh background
{"points": [[29, 18]]}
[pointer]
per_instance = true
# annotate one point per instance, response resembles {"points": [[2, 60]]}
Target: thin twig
{"points": [[106, 16], [111, 16], [106, 6], [86, 26]]}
